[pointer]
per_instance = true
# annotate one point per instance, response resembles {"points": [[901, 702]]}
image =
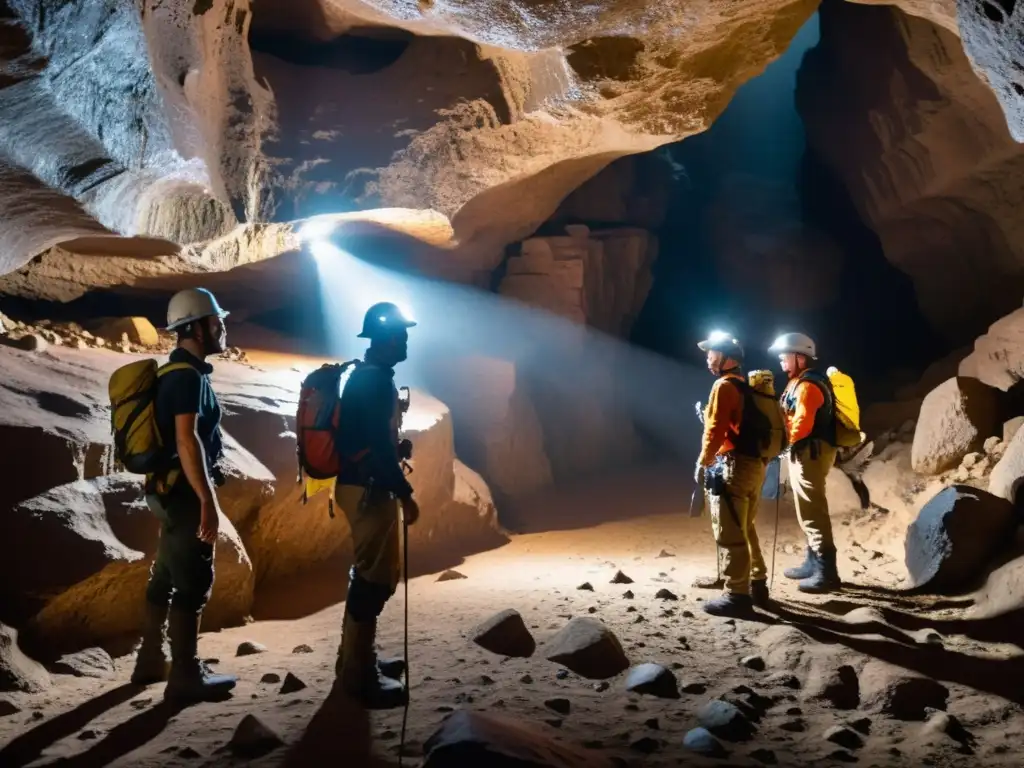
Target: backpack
{"points": [[132, 388], [841, 402], [847, 410], [318, 420], [762, 429]]}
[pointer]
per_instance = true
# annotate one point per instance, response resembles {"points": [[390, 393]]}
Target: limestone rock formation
{"points": [[1008, 473], [998, 356], [99, 537], [893, 106], [99, 540], [160, 120], [955, 419], [594, 278]]}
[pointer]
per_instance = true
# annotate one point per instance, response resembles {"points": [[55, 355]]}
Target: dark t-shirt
{"points": [[369, 420], [186, 391]]}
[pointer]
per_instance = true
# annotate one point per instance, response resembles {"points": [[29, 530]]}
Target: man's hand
{"points": [[410, 510], [209, 522]]}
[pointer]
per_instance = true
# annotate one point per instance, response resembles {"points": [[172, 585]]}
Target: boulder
{"points": [[956, 418], [1008, 472], [1003, 592], [1011, 427], [17, 671], [100, 538], [287, 538], [588, 648], [466, 523], [138, 329], [842, 496], [725, 720], [91, 662], [253, 739], [955, 536], [505, 633], [998, 356], [653, 679], [477, 738]]}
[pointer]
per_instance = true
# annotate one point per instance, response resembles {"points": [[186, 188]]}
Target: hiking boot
{"points": [[804, 570], [730, 604], [393, 668], [825, 577], [759, 593], [151, 662], [190, 680], [708, 582], [359, 672]]}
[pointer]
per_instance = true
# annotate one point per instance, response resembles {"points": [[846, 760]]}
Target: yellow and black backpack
{"points": [[132, 389]]}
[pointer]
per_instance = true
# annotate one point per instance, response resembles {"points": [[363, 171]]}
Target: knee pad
{"points": [[366, 599]]}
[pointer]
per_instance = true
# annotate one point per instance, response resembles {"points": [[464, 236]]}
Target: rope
{"points": [[405, 637]]}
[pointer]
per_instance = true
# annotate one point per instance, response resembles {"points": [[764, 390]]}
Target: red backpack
{"points": [[318, 420]]}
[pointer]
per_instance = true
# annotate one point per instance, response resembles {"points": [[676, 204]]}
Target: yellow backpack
{"points": [[847, 410], [132, 389]]}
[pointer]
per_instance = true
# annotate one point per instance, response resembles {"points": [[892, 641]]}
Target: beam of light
{"points": [[551, 355]]}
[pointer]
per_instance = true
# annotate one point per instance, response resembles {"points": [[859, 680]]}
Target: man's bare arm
{"points": [[192, 456]]}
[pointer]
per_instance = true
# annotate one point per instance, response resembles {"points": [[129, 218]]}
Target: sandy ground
{"points": [[634, 523]]}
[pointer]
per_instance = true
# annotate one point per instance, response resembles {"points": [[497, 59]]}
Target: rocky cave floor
{"points": [[863, 676], [870, 675]]}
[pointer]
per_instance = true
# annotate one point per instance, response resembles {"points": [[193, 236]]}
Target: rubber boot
{"points": [[190, 681], [759, 593], [825, 577], [151, 662], [804, 570], [730, 604], [360, 677]]}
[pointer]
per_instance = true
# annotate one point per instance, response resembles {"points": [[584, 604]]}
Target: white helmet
{"points": [[798, 343], [192, 304]]}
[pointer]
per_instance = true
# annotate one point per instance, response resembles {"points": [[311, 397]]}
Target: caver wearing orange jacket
{"points": [[809, 411], [734, 485]]}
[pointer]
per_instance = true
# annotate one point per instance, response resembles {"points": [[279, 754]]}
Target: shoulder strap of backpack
{"points": [[169, 367]]}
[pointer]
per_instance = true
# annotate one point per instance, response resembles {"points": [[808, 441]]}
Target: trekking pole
{"points": [[405, 633], [699, 408], [775, 536]]}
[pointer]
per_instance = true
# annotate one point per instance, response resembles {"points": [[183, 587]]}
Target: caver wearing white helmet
{"points": [[794, 344], [184, 313], [181, 494], [808, 406]]}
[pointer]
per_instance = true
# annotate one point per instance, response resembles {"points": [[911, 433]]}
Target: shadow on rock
{"points": [[999, 677]]}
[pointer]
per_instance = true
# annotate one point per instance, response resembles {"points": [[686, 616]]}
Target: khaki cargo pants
{"points": [[733, 515], [376, 532], [808, 468]]}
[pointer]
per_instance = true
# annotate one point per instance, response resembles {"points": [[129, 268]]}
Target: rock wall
{"points": [[892, 104], [159, 119], [86, 538], [598, 279]]}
